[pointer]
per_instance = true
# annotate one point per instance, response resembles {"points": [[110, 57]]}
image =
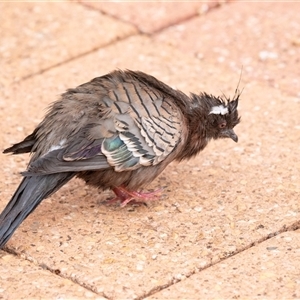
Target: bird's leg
{"points": [[125, 196]]}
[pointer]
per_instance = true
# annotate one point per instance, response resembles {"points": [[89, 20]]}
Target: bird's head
{"points": [[215, 117], [209, 117], [222, 117]]}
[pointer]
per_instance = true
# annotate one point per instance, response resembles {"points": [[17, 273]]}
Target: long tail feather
{"points": [[30, 193]]}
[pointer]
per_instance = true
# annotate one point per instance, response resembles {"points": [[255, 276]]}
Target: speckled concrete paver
{"points": [[38, 35], [230, 198], [21, 279], [263, 38], [268, 270], [150, 17]]}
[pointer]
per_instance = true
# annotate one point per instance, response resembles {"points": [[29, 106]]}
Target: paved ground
{"points": [[228, 224]]}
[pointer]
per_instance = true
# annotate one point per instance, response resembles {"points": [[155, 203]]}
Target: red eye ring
{"points": [[222, 125]]}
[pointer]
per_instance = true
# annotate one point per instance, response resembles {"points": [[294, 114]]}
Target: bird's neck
{"points": [[197, 138]]}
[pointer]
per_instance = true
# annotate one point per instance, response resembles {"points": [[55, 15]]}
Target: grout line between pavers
{"points": [[99, 10], [180, 21], [284, 228], [139, 32], [55, 272], [117, 40], [175, 22], [292, 227]]}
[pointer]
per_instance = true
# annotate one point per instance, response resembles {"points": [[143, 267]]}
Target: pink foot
{"points": [[126, 196]]}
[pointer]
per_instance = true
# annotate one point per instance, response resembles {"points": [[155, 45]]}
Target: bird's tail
{"points": [[31, 191]]}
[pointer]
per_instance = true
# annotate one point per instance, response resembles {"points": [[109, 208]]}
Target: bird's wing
{"points": [[137, 126]]}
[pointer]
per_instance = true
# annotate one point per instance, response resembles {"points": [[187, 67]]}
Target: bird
{"points": [[118, 131]]}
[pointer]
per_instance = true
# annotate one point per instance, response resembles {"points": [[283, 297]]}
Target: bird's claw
{"points": [[133, 197]]}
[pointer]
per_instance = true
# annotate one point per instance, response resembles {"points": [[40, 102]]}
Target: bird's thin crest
{"points": [[237, 92]]}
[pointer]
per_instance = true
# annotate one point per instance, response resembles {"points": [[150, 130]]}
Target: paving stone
{"points": [[263, 38], [21, 279], [150, 17], [217, 204], [265, 271], [36, 36]]}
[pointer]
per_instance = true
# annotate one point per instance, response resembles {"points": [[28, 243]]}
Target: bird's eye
{"points": [[222, 125]]}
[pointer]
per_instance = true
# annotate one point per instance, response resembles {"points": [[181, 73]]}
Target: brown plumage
{"points": [[118, 132]]}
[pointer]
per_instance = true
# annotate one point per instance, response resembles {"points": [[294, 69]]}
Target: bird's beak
{"points": [[230, 134]]}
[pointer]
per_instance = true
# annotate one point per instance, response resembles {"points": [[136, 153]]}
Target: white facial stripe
{"points": [[219, 110]]}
